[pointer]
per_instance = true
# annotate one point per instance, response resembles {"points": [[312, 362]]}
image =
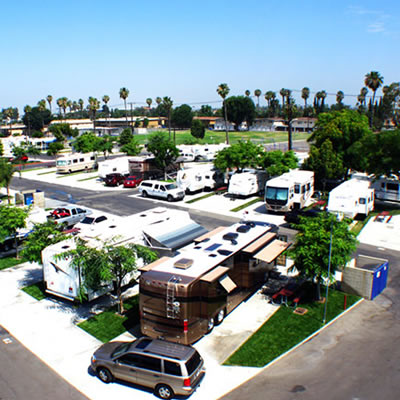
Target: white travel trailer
{"points": [[76, 162], [115, 165], [292, 190], [387, 188], [351, 198], [158, 228], [247, 182], [209, 151], [200, 177]]}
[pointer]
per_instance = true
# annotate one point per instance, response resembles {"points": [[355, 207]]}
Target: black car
{"points": [[293, 217], [114, 179]]}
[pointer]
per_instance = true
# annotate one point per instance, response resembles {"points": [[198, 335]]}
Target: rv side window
{"points": [[303, 189], [297, 189], [308, 186], [361, 200], [392, 186], [382, 185], [172, 368], [81, 160], [75, 161], [92, 158]]}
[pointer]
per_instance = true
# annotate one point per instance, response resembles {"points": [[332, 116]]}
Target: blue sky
{"points": [[184, 49]]}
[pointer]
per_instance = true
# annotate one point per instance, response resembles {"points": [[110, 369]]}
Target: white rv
{"points": [[292, 190], [351, 198], [76, 162], [208, 152], [120, 165], [247, 182], [387, 188], [158, 228], [200, 177]]}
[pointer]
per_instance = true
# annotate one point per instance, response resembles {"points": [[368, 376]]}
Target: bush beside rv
{"points": [[247, 182], [292, 190], [76, 162], [351, 198], [183, 297], [202, 177]]}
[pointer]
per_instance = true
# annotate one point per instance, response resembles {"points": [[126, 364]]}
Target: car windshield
{"points": [[276, 193], [121, 349], [87, 220], [171, 186]]}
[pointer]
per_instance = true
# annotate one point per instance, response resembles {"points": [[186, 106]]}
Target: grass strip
{"points": [[47, 172], [88, 179], [36, 290], [199, 198], [248, 204], [285, 329], [107, 325], [8, 262]]}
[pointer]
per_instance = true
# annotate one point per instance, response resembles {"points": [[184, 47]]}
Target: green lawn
{"points": [[248, 204], [36, 290], [8, 262], [286, 329], [108, 324], [200, 198]]}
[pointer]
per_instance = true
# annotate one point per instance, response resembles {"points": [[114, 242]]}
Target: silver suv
{"points": [[169, 368], [164, 190]]}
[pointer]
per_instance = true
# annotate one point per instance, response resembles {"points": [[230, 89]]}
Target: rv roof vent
{"points": [[212, 255], [65, 247], [197, 247], [224, 252], [183, 263], [250, 224], [243, 228], [112, 226], [230, 236], [205, 240]]}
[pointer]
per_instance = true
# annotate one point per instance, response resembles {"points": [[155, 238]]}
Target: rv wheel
{"points": [[210, 325], [164, 391], [105, 375], [220, 317]]}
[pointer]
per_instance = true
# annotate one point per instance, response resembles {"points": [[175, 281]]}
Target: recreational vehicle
{"points": [[76, 162], [291, 190], [145, 167], [160, 229], [247, 182], [387, 188], [351, 198], [201, 177], [181, 298], [120, 165]]}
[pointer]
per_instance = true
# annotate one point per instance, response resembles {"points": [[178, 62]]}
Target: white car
{"points": [[90, 223], [164, 190]]}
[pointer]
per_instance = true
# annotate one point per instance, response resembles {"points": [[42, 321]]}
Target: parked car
{"points": [[68, 215], [23, 158], [168, 368], [164, 190], [114, 179], [132, 181], [90, 223], [293, 217]]}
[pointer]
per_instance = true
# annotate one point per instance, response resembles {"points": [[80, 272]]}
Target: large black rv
{"points": [[183, 297]]}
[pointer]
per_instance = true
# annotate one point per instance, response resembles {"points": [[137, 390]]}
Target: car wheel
{"points": [[144, 193], [105, 375], [169, 198], [210, 325], [220, 317], [164, 391]]}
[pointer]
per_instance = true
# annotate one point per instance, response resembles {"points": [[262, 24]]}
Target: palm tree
{"points": [[123, 94], [42, 105], [247, 93], [93, 106], [105, 100], [373, 81], [305, 94], [149, 101], [158, 100], [167, 103], [283, 95], [8, 113], [257, 93], [49, 99], [223, 91], [81, 102], [323, 95], [339, 97], [62, 104], [27, 110]]}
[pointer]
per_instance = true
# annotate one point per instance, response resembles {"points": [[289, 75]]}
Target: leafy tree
{"points": [[277, 162], [238, 156], [105, 145], [182, 116], [197, 129], [123, 94], [42, 236], [346, 130], [239, 109], [223, 91], [36, 118], [12, 219], [86, 143], [1, 148], [125, 137], [310, 251], [37, 134], [55, 148], [6, 173], [63, 131], [164, 150], [145, 122], [132, 148], [205, 111]]}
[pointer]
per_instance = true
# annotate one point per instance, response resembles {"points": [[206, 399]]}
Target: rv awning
{"points": [[209, 234], [214, 274], [251, 248], [272, 251], [227, 283], [174, 234], [152, 265]]}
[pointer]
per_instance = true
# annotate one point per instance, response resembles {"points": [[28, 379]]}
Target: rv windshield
{"points": [[87, 220], [273, 193], [61, 163]]}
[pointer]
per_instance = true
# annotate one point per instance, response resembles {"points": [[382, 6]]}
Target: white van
{"points": [[164, 190]]}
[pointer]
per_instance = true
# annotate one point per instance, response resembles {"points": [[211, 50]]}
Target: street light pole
{"points": [[329, 275]]}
